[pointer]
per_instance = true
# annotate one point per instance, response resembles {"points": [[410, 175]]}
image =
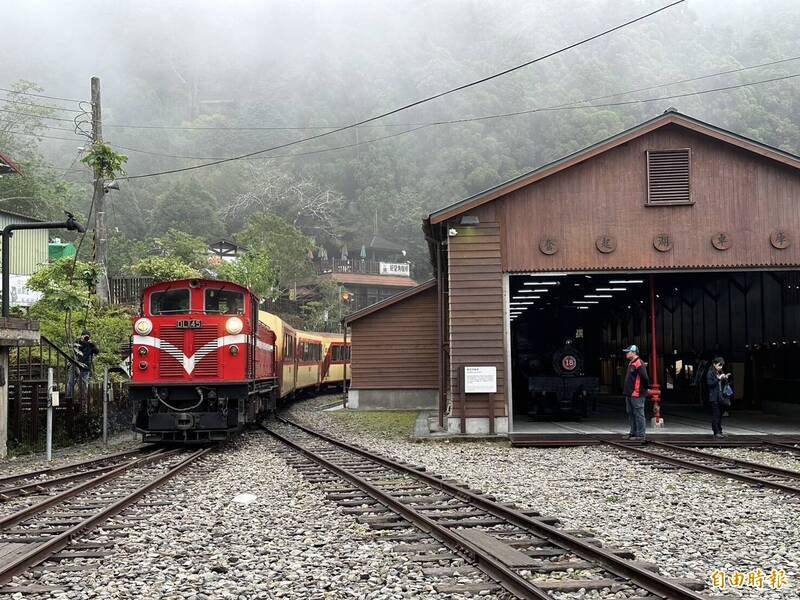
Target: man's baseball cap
{"points": [[632, 348]]}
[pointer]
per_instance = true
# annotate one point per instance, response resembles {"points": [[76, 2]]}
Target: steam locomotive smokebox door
{"points": [[567, 361], [566, 393]]}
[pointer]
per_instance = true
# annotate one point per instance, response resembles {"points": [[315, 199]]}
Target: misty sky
{"points": [[149, 52], [61, 44]]}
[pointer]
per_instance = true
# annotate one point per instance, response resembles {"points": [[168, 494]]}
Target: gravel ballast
{"points": [[690, 524], [290, 542]]}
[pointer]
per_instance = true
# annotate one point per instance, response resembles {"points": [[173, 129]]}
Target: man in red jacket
{"points": [[635, 389]]}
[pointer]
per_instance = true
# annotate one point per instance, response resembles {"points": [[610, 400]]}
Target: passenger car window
{"points": [[170, 302], [224, 302]]}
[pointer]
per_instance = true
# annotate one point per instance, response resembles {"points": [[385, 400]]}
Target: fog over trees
{"points": [[184, 82]]}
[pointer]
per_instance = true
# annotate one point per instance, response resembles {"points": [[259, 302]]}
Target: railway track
{"points": [[46, 529], [41, 481], [470, 542], [746, 471]]}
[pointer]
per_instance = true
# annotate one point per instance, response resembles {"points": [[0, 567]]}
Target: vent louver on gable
{"points": [[668, 176]]}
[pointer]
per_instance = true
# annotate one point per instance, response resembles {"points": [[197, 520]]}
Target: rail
{"points": [[728, 468], [41, 551], [450, 537]]}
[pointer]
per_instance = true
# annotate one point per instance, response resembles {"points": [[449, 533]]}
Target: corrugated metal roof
{"points": [[17, 217]]}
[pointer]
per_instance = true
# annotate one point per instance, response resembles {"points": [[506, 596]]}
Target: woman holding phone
{"points": [[717, 380]]}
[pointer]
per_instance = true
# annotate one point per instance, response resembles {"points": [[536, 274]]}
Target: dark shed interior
{"points": [[568, 332]]}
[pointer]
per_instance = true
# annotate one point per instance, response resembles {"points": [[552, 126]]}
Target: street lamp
{"points": [[70, 225]]}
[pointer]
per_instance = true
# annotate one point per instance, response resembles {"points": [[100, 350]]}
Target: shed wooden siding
{"points": [[28, 249], [734, 191], [476, 311], [396, 347]]}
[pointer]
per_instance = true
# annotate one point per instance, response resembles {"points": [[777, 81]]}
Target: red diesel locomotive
{"points": [[205, 361]]}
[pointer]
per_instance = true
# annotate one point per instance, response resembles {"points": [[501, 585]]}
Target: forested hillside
{"points": [[282, 71]]}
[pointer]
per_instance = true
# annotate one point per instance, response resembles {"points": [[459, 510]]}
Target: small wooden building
{"points": [[676, 235], [395, 352]]}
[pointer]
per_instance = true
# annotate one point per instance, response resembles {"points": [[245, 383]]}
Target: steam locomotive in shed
{"points": [[205, 361], [560, 388]]}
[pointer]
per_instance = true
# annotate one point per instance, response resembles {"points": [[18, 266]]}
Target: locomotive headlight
{"points": [[143, 350], [143, 326], [234, 325]]}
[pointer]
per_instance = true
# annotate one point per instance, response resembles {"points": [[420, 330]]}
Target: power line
{"points": [[422, 101], [322, 127], [34, 105], [320, 151], [47, 137], [40, 95], [577, 105], [24, 114], [572, 105], [72, 129]]}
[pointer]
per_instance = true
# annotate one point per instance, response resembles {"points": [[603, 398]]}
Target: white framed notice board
{"points": [[480, 380]]}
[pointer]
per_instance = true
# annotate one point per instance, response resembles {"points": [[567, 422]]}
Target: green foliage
{"points": [[110, 327], [41, 191], [185, 247], [255, 271], [325, 311], [65, 284], [188, 206], [102, 159], [68, 306], [165, 268], [123, 253], [289, 250]]}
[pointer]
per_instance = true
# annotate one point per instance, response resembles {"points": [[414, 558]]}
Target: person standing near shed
{"points": [[635, 387], [717, 380]]}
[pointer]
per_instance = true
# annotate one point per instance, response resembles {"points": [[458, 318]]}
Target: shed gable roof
{"points": [[670, 117], [404, 295]]}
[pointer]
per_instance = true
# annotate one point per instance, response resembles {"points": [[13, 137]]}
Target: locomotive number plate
{"points": [[189, 324]]}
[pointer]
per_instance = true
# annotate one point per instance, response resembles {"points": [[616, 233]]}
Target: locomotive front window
{"points": [[224, 302], [170, 302]]}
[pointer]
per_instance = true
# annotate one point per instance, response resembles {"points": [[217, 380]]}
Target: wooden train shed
{"points": [[675, 235]]}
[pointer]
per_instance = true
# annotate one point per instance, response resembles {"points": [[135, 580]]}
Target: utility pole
{"points": [[99, 201]]}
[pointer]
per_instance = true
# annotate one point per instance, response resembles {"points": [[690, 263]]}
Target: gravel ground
{"points": [[290, 542], [690, 524], [781, 459], [80, 452]]}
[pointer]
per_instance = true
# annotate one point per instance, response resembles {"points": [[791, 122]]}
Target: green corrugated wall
{"points": [[28, 248]]}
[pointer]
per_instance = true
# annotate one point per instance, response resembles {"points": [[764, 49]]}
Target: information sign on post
{"points": [[480, 380]]}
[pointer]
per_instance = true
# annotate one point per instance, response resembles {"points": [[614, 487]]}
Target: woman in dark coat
{"points": [[716, 381]]}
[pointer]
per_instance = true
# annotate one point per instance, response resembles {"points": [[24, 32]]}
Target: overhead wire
{"points": [[323, 127], [49, 137], [34, 105], [577, 105], [24, 114], [12, 91], [417, 102], [43, 126]]}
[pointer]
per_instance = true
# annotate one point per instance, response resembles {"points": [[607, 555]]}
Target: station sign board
{"points": [[403, 269], [480, 380]]}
